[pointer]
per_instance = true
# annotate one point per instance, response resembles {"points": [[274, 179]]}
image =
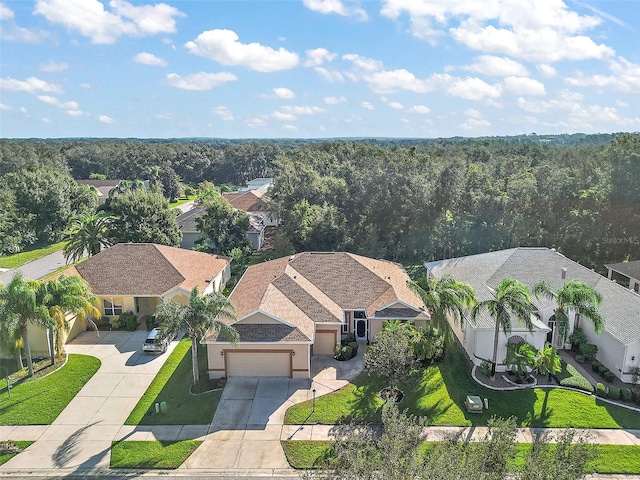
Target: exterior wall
{"points": [[611, 352], [38, 340], [128, 304], [216, 360], [189, 240], [147, 305], [482, 342], [255, 239], [633, 352], [259, 318]]}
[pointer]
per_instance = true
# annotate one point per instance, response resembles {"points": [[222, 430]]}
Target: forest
{"points": [[407, 201]]}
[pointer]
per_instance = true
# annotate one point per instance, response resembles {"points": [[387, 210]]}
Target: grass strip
{"points": [[151, 454], [611, 459], [21, 444], [439, 391], [172, 385], [18, 259], [40, 401]]}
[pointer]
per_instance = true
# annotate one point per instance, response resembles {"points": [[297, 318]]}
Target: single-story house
{"points": [[191, 234], [619, 343], [252, 202], [294, 307], [136, 277], [102, 187], [630, 271]]}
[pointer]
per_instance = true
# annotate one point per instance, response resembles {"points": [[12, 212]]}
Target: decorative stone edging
{"points": [[532, 384]]}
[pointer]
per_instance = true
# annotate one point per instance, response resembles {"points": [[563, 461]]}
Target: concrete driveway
{"points": [[81, 435]]}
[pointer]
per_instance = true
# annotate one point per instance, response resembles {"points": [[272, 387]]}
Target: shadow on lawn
{"points": [[366, 405]]}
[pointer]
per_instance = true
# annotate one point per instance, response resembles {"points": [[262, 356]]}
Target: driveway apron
{"points": [[81, 435]]}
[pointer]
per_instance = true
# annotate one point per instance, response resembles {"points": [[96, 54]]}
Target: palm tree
{"points": [[88, 233], [574, 295], [548, 360], [62, 296], [445, 296], [204, 312], [511, 298], [20, 307]]}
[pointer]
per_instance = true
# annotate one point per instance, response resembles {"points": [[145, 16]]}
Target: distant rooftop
{"points": [[628, 269]]}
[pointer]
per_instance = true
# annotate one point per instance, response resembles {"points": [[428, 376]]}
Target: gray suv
{"points": [[153, 345]]}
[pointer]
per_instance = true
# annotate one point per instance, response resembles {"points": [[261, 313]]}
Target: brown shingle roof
{"points": [[248, 201], [255, 332], [147, 269]]}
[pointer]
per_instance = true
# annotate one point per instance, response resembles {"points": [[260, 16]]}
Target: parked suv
{"points": [[153, 345]]}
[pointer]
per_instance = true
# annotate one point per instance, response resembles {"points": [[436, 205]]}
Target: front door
{"points": [[361, 329]]}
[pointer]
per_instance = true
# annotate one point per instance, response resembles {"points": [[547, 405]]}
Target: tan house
{"points": [[294, 307], [137, 277]]}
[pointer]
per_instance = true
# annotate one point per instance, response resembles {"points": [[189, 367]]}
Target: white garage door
{"points": [[267, 364], [324, 344]]}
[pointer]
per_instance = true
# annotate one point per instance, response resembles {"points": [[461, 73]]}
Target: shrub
{"points": [[577, 338], [609, 376], [595, 365], [614, 393], [150, 322], [602, 369], [354, 345], [346, 353], [601, 390], [625, 394], [570, 377], [485, 367], [103, 323], [580, 358], [128, 321], [348, 338], [589, 350]]}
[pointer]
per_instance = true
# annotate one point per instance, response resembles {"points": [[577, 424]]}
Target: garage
{"points": [[325, 342], [258, 363]]}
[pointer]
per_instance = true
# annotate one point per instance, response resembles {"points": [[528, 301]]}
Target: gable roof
{"points": [[248, 201], [187, 220], [628, 269], [102, 186], [148, 269], [316, 287], [620, 306]]}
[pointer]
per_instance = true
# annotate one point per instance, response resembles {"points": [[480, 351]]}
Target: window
{"points": [[636, 288], [111, 308], [345, 328], [359, 314]]}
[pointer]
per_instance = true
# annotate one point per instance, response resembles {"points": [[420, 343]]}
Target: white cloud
{"points": [[625, 77], [283, 93], [367, 106], [200, 80], [338, 7], [472, 113], [15, 33], [90, 19], [5, 107], [390, 81], [330, 76], [290, 127], [223, 47], [71, 105], [318, 56], [285, 117], [146, 58], [74, 113], [30, 85], [547, 71], [302, 110], [544, 31], [24, 110], [224, 113], [106, 119], [363, 63], [54, 67], [85, 85], [495, 66], [256, 122], [396, 105], [5, 12], [421, 109], [473, 123], [46, 120], [334, 100], [523, 86]]}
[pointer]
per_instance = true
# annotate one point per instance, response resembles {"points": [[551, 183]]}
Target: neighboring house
{"points": [[629, 270], [103, 187], [137, 277], [261, 184], [253, 202], [619, 343], [191, 234], [291, 308]]}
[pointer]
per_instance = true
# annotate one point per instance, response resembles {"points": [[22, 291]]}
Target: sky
{"points": [[318, 68]]}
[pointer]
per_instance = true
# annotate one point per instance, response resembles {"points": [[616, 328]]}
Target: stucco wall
{"points": [[300, 359], [259, 317], [483, 344], [610, 351]]}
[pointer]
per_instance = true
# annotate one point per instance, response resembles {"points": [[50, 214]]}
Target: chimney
{"points": [[564, 273]]}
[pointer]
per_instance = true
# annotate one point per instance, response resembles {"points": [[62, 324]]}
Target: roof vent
{"points": [[291, 257], [564, 273]]}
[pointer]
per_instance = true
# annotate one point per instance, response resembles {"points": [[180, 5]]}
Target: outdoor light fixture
{"points": [[293, 353], [222, 353]]}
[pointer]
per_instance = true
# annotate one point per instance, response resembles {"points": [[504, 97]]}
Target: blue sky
{"points": [[318, 68]]}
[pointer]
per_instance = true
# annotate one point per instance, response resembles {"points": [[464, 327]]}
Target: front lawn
{"points": [[17, 259], [151, 454], [438, 393], [40, 401], [171, 385], [20, 445], [611, 459]]}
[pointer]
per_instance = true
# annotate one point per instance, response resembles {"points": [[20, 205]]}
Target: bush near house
{"points": [[595, 365], [125, 321], [625, 395], [589, 350], [609, 376], [601, 390], [577, 338], [614, 393]]}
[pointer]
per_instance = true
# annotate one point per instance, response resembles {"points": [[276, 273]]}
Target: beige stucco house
{"points": [[295, 307]]}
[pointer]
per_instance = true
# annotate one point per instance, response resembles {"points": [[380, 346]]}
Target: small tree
{"points": [[548, 360], [391, 356]]}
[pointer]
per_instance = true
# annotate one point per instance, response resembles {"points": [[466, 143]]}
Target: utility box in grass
{"points": [[473, 403]]}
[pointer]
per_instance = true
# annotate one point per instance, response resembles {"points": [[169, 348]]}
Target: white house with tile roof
{"points": [[619, 343], [291, 308]]}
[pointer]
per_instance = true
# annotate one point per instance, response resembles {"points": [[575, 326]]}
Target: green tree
{"points": [[204, 312], [548, 360], [89, 233], [511, 299], [391, 356], [144, 217], [519, 356], [445, 297], [20, 307], [62, 296], [574, 295], [222, 227]]}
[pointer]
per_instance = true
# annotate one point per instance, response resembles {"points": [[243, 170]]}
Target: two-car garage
{"points": [[248, 363]]}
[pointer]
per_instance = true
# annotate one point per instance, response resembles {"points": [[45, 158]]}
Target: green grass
{"points": [[17, 259], [570, 377], [171, 385], [21, 444], [151, 454], [40, 401], [612, 459], [182, 201], [438, 393]]}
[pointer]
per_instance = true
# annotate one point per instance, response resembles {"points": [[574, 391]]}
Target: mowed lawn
{"points": [[40, 401], [151, 454], [439, 391], [172, 385]]}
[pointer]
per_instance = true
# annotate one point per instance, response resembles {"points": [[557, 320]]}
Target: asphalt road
{"points": [[37, 268]]}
